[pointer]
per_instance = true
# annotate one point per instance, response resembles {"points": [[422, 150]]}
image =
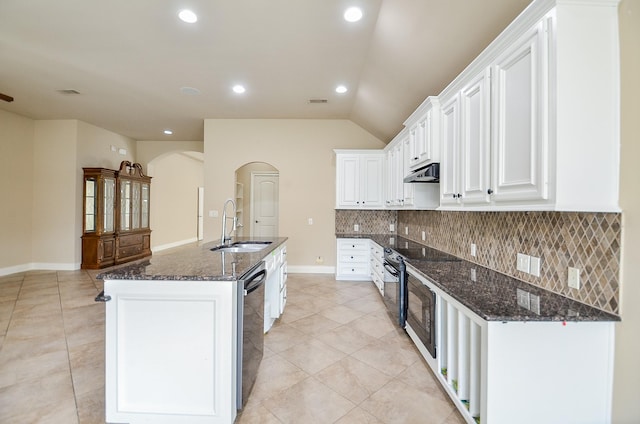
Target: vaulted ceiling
{"points": [[138, 70]]}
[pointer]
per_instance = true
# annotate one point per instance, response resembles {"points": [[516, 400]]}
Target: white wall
{"points": [[302, 151], [16, 191], [626, 407], [174, 198]]}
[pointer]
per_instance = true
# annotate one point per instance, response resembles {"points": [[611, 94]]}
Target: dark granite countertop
{"points": [[489, 294], [193, 262]]}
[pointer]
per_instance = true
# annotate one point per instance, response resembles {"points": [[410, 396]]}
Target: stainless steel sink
{"points": [[242, 247]]}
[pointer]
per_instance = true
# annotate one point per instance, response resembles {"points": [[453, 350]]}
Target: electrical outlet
{"points": [[392, 228], [406, 231], [310, 221], [534, 304], [523, 262], [534, 266], [473, 249], [573, 278], [356, 227], [319, 260], [424, 236], [523, 298]]}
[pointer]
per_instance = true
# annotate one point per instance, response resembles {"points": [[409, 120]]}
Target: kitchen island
{"points": [[172, 334]]}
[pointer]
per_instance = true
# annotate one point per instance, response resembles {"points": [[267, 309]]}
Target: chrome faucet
{"points": [[226, 238]]}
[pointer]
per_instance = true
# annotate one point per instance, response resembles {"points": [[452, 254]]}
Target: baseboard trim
{"points": [[39, 266]]}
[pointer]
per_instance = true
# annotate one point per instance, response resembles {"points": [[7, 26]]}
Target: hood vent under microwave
{"points": [[427, 174]]}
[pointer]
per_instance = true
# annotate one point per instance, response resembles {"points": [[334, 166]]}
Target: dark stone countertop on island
{"points": [[193, 262], [492, 296]]}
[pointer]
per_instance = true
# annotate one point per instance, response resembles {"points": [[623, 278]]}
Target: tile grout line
{"points": [[66, 342]]}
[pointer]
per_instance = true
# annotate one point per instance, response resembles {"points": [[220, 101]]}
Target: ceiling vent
{"points": [[69, 92], [318, 101]]}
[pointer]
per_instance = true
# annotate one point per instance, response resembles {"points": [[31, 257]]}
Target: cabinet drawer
{"points": [[353, 244], [346, 257], [125, 252], [354, 270], [130, 240]]}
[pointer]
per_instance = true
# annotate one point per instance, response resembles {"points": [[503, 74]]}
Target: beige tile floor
{"points": [[334, 357]]}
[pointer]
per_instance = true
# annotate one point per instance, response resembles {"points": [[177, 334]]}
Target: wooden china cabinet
{"points": [[116, 216]]}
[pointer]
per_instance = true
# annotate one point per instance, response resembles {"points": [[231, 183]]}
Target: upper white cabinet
{"points": [[359, 179], [423, 124], [533, 122]]}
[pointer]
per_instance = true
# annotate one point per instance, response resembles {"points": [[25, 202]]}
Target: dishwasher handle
{"points": [[255, 282]]}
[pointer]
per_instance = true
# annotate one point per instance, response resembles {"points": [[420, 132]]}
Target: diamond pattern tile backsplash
{"points": [[588, 241]]}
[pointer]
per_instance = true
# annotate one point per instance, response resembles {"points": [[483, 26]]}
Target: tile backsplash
{"points": [[587, 241]]}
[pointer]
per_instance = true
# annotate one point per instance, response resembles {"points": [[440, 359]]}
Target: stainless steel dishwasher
{"points": [[250, 329]]}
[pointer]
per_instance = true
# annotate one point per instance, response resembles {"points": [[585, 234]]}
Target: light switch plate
{"points": [[406, 230], [573, 278], [523, 262], [473, 249], [392, 227], [356, 227], [534, 266], [424, 236]]}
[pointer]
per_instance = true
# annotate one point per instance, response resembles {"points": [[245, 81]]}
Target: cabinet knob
{"points": [[415, 158], [489, 191]]}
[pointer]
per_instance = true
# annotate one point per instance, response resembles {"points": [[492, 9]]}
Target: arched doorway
{"points": [[257, 200]]}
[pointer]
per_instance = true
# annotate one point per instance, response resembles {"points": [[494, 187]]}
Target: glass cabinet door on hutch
{"points": [[134, 235], [115, 215], [98, 232]]}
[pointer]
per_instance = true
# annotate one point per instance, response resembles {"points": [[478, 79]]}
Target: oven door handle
{"points": [[392, 270]]}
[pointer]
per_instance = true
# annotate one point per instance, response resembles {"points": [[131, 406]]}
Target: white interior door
{"points": [[264, 205], [200, 213]]}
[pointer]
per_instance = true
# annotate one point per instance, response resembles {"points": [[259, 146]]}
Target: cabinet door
{"points": [[407, 188], [348, 187], [450, 140], [474, 141], [519, 140], [371, 181]]}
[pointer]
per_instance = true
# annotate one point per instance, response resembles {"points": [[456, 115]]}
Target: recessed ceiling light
{"points": [[239, 89], [341, 89], [168, 132], [188, 16], [353, 14]]}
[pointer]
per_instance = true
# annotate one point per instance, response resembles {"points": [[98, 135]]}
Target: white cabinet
{"points": [[521, 127], [359, 179], [376, 266], [353, 259], [401, 195], [170, 351], [450, 165], [275, 295], [423, 127], [519, 120], [499, 372]]}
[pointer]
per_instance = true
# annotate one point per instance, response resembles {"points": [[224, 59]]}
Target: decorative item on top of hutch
{"points": [[116, 216]]}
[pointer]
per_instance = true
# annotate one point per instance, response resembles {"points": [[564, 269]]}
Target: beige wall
{"points": [[243, 176], [44, 218], [16, 189], [626, 407], [147, 151], [174, 198], [302, 151]]}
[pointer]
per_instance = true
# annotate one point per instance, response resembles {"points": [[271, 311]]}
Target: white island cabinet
{"points": [[187, 324]]}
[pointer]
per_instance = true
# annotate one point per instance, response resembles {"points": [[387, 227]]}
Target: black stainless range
{"points": [[415, 303]]}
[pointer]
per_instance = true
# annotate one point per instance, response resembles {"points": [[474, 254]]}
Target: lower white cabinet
{"points": [[275, 294], [499, 372], [376, 265], [353, 259], [190, 325]]}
